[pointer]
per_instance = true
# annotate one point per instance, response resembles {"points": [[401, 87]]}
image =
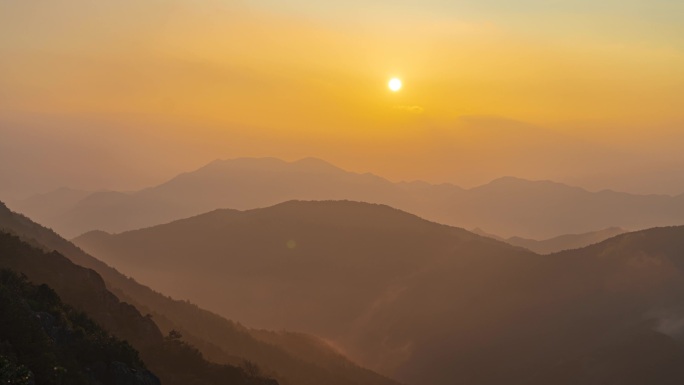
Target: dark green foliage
{"points": [[50, 341], [13, 374], [67, 330]]}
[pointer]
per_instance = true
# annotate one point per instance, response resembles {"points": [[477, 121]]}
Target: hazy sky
{"points": [[122, 94]]}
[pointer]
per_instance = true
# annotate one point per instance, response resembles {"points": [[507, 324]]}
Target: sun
{"points": [[395, 84]]}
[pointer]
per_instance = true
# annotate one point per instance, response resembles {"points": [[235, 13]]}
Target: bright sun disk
{"points": [[395, 84]]}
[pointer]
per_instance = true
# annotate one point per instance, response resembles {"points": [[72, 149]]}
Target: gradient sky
{"points": [[123, 94]]}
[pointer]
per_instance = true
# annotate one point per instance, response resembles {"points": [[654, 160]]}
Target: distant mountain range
{"points": [[292, 358], [506, 206], [559, 243], [424, 302]]}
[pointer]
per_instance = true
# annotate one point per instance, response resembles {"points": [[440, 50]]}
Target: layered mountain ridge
{"points": [[507, 206], [292, 358], [420, 301]]}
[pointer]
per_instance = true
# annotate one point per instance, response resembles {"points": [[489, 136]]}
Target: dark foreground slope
{"points": [[174, 361], [424, 302], [292, 358], [44, 341]]}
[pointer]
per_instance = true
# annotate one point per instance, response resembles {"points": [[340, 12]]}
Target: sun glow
{"points": [[395, 84]]}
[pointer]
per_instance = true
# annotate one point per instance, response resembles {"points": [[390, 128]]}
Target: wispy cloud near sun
{"points": [[411, 109]]}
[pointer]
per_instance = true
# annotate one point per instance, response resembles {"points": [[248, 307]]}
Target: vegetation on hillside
{"points": [[278, 354], [42, 340], [172, 360]]}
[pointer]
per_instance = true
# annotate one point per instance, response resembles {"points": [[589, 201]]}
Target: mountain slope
{"points": [[48, 207], [323, 245], [423, 302], [240, 183], [506, 206], [46, 341], [174, 361], [219, 339]]}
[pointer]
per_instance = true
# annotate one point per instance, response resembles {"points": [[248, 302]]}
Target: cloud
{"points": [[411, 109]]}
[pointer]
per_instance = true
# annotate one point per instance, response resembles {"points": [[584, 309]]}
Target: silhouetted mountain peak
{"points": [[98, 197], [317, 165], [558, 243], [647, 242], [483, 233], [515, 183], [506, 206], [265, 162], [271, 164], [237, 173], [62, 192], [96, 235], [342, 213]]}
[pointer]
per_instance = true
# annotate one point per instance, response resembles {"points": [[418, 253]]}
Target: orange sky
{"points": [[575, 94]]}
